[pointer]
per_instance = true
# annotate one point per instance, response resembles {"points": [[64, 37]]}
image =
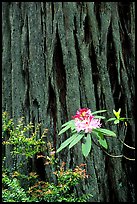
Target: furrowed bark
{"points": [[60, 56]]}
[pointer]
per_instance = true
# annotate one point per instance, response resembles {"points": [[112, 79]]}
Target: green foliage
{"points": [[103, 142], [12, 191], [76, 140], [62, 191], [68, 125], [76, 137], [19, 187], [86, 147], [38, 191], [105, 132], [99, 111], [100, 133], [117, 118], [66, 142], [22, 137]]}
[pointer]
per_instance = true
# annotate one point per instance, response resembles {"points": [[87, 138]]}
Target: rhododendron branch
{"points": [[85, 123], [128, 158], [126, 144], [114, 156]]}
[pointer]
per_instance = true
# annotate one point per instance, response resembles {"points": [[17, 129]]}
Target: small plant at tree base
{"points": [[33, 189], [63, 190], [22, 137], [12, 190]]}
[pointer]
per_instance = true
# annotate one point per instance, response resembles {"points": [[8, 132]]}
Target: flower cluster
{"points": [[84, 120]]}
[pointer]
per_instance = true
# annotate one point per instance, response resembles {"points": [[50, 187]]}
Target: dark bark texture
{"points": [[60, 56]]}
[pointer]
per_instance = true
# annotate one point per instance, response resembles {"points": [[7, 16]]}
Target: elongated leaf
{"points": [[95, 133], [73, 131], [100, 135], [99, 116], [103, 143], [73, 127], [86, 147], [100, 111], [67, 123], [76, 140], [111, 119], [66, 142], [105, 132], [122, 119], [65, 129]]}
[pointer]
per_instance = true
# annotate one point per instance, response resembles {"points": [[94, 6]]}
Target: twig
{"points": [[126, 144], [114, 156], [128, 158]]}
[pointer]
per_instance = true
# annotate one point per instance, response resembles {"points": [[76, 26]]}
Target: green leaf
{"points": [[122, 119], [76, 140], [105, 132], [117, 114], [65, 129], [103, 142], [73, 131], [66, 142], [67, 123], [100, 135], [96, 133], [100, 111], [86, 147], [116, 121], [111, 119], [99, 116], [73, 127]]}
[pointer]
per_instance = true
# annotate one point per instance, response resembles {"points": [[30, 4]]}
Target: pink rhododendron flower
{"points": [[83, 113], [84, 120]]}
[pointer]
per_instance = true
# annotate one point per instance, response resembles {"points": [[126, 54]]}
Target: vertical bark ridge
{"points": [[6, 71], [17, 78]]}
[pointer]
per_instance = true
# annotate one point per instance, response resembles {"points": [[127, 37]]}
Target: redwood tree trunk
{"points": [[58, 57]]}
